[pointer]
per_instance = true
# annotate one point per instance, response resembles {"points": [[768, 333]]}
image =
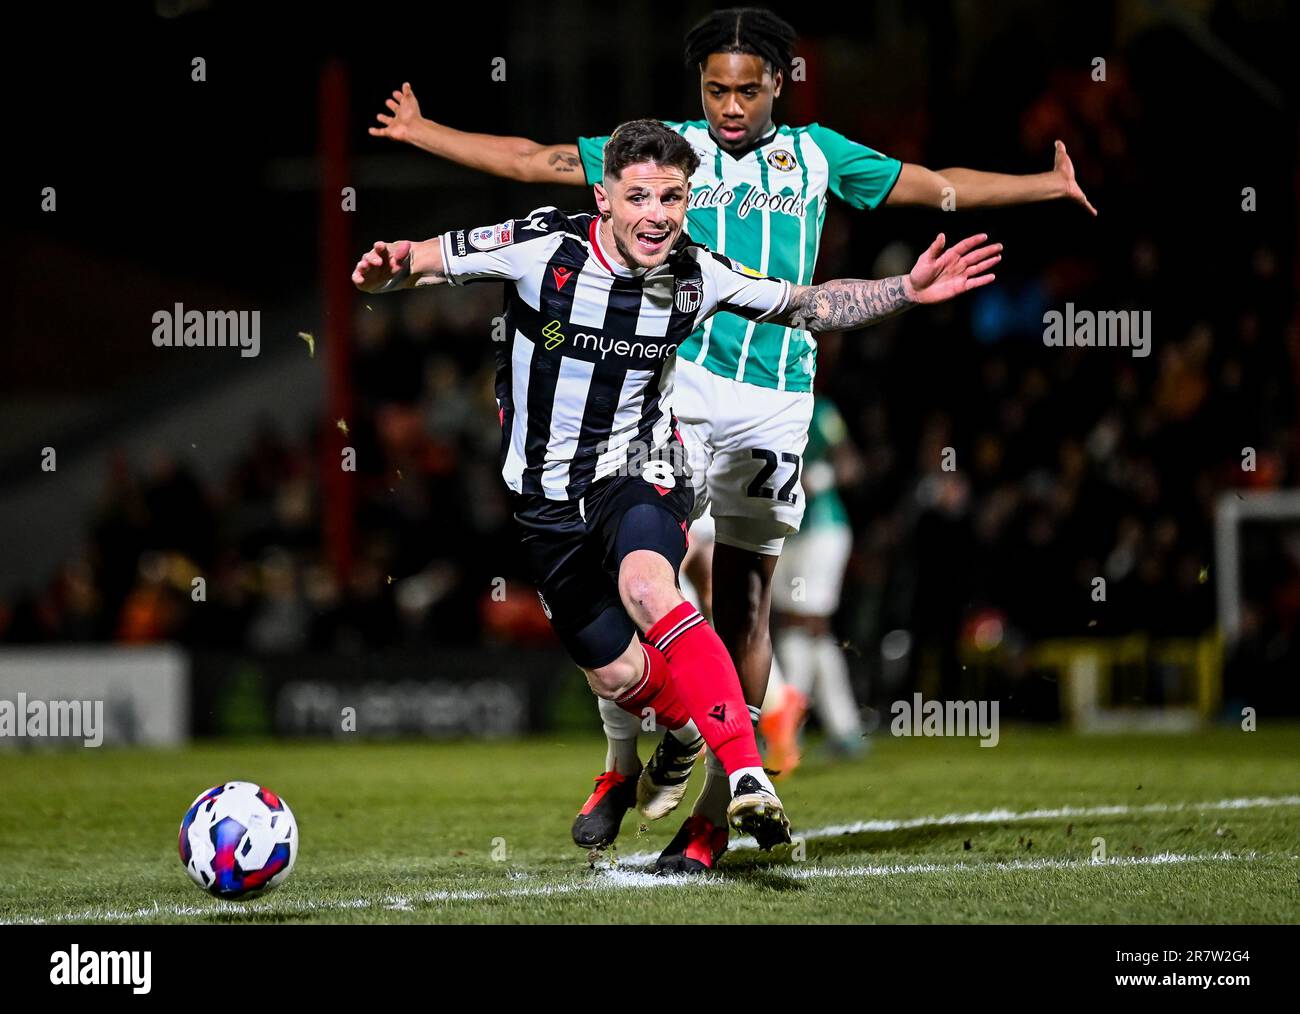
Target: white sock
{"points": [[836, 706], [621, 728], [799, 657], [759, 775], [687, 734], [716, 793]]}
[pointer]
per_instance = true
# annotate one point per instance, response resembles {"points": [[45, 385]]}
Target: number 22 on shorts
{"points": [[758, 487]]}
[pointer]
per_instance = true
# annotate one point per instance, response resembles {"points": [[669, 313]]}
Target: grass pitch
{"points": [[1198, 829]]}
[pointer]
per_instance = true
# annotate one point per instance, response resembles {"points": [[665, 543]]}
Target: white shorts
{"points": [[745, 446], [810, 574]]}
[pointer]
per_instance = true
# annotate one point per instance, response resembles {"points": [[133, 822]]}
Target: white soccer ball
{"points": [[238, 840]]}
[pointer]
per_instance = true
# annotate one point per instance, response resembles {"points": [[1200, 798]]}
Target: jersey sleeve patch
{"points": [[491, 237], [500, 251]]}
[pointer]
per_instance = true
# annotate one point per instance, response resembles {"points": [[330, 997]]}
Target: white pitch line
{"points": [[616, 880], [621, 877], [602, 880], [1016, 865], [640, 859]]}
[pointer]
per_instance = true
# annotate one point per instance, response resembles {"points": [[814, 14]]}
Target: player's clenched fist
{"points": [[384, 266]]}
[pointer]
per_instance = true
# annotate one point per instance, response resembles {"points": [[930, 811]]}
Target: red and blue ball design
{"points": [[238, 840]]}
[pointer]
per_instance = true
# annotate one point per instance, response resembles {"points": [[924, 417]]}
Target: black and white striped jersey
{"points": [[585, 370]]}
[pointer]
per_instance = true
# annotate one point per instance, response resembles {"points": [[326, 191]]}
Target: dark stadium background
{"points": [[176, 463]]}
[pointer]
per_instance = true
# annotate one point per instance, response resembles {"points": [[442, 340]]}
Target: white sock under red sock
{"points": [[621, 729]]}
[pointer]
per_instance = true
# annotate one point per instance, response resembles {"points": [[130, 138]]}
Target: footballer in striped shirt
{"points": [[597, 305], [744, 386]]}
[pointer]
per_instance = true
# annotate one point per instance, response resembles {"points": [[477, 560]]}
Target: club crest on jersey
{"points": [[489, 237], [781, 160], [688, 295]]}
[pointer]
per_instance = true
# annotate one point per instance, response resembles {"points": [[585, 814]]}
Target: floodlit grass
{"points": [[407, 833]]}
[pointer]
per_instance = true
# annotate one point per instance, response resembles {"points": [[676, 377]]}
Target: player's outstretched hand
{"points": [[381, 264], [1064, 168], [941, 274], [406, 113]]}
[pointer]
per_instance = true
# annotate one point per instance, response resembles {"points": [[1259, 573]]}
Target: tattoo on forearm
{"points": [[847, 303], [564, 162]]}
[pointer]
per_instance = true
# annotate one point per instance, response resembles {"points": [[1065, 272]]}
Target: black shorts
{"points": [[573, 549]]}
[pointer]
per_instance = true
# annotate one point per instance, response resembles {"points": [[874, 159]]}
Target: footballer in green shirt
{"points": [[743, 392]]}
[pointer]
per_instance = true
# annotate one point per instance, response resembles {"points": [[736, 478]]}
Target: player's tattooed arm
{"points": [[563, 160], [845, 303], [938, 275], [386, 267], [515, 158]]}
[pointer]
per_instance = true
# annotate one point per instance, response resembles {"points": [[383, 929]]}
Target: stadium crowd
{"points": [[999, 477]]}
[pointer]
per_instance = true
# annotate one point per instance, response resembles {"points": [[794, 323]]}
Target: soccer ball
{"points": [[238, 840]]}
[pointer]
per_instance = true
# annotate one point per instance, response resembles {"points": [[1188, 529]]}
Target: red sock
{"points": [[707, 684], [656, 691]]}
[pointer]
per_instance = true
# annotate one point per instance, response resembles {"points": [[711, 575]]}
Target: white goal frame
{"points": [[1232, 509]]}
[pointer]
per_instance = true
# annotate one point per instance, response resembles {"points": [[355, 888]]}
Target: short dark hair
{"points": [[752, 30], [648, 141]]}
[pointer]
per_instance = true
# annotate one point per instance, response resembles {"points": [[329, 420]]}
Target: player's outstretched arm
{"points": [[386, 267], [937, 276], [515, 158], [950, 189]]}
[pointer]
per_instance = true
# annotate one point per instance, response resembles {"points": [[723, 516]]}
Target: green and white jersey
{"points": [[766, 209]]}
